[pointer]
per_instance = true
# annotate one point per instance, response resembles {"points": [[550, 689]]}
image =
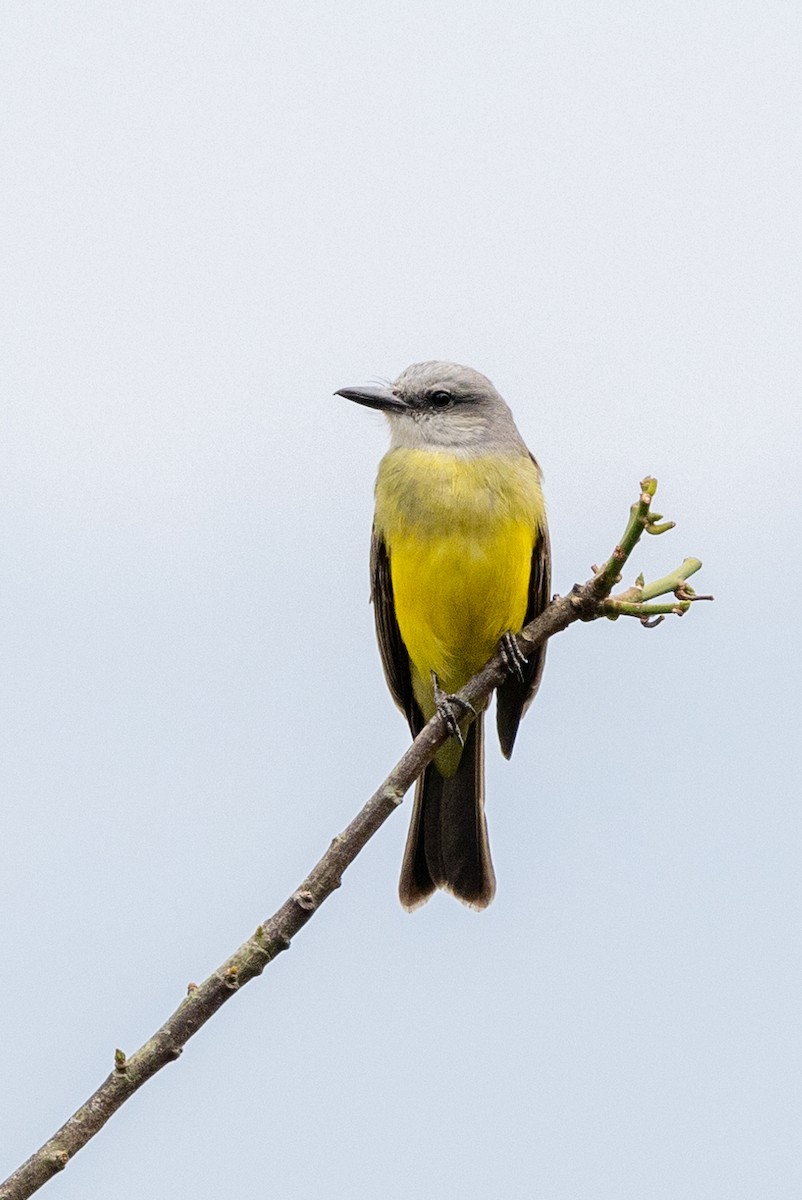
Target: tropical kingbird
{"points": [[460, 561]]}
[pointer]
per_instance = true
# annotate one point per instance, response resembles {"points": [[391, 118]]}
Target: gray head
{"points": [[443, 406]]}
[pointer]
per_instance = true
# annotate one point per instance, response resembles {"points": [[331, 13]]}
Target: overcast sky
{"points": [[214, 215]]}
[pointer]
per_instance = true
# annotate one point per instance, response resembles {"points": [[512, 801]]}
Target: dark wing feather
{"points": [[395, 659], [515, 695]]}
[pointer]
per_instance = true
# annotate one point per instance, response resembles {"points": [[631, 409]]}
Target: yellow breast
{"points": [[460, 534]]}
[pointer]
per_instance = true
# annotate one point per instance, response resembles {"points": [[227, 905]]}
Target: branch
{"points": [[585, 602]]}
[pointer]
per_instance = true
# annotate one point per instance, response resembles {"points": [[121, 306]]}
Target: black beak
{"points": [[374, 396]]}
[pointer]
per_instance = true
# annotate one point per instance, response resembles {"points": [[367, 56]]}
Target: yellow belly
{"points": [[460, 535], [455, 596]]}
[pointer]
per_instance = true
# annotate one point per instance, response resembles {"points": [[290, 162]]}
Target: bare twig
{"points": [[586, 602]]}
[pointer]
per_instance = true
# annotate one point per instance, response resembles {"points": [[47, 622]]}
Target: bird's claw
{"points": [[514, 660], [447, 705]]}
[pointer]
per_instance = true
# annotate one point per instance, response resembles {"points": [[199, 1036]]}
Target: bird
{"points": [[460, 561]]}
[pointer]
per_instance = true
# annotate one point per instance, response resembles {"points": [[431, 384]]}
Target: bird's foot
{"points": [[514, 661], [447, 708]]}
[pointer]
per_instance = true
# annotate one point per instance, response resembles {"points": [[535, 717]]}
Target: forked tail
{"points": [[447, 844]]}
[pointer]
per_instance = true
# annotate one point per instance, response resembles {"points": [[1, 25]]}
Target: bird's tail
{"points": [[447, 844]]}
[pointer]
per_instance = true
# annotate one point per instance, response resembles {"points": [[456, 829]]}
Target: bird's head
{"points": [[441, 406]]}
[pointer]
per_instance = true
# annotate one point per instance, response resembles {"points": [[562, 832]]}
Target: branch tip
{"points": [[683, 592]]}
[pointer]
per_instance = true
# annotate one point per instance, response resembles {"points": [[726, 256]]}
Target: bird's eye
{"points": [[441, 399]]}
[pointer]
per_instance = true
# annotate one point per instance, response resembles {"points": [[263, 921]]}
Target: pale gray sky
{"points": [[213, 216]]}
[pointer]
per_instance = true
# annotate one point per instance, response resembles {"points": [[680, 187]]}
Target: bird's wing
{"points": [[514, 696], [395, 659]]}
